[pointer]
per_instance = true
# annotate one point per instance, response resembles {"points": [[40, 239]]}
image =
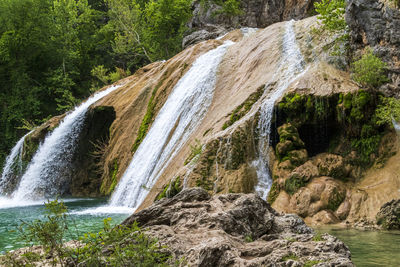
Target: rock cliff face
{"points": [[236, 230], [209, 21], [376, 24]]}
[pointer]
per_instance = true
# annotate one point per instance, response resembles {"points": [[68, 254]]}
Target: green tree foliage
{"points": [[369, 70], [331, 14], [54, 53]]}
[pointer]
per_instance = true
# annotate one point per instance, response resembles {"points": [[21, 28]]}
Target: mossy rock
{"points": [[241, 110], [336, 199], [273, 193], [171, 189], [293, 183], [298, 157]]}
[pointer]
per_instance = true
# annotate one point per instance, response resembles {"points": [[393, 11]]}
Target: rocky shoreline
{"points": [[236, 230]]}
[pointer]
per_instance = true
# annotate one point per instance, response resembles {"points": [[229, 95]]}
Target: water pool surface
{"points": [[11, 217], [370, 248]]}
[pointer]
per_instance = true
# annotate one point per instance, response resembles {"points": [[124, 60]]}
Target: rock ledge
{"points": [[236, 230]]}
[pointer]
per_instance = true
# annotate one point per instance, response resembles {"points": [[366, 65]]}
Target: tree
{"points": [[164, 24]]}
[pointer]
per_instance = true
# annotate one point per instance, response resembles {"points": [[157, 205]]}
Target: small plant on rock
{"points": [[49, 233], [369, 70]]}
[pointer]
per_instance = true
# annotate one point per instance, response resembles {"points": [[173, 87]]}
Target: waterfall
{"points": [[396, 126], [13, 166], [181, 114], [291, 67], [45, 175]]}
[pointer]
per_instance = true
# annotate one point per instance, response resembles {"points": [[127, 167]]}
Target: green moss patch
{"points": [[243, 108], [195, 151], [336, 199], [171, 189], [273, 193], [113, 171], [293, 184], [147, 119]]}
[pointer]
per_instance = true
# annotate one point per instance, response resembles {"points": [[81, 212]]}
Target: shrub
{"points": [[49, 233], [120, 246], [369, 70]]}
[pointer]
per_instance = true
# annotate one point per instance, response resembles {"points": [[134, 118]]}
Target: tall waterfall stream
{"points": [[291, 67], [177, 119], [53, 157]]}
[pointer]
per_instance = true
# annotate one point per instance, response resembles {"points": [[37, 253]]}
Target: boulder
{"points": [[332, 165], [389, 215], [235, 230]]}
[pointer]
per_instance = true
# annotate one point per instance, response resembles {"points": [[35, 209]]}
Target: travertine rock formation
{"points": [[236, 230]]}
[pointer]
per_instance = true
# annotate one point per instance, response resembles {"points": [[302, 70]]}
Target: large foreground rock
{"points": [[236, 230]]}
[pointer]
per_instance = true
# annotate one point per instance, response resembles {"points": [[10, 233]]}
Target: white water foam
{"points": [[99, 211], [396, 125], [182, 112], [7, 203], [246, 31], [291, 67], [53, 157]]}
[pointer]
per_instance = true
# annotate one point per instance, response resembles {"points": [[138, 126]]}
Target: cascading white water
{"points": [[396, 125], [181, 113], [51, 162], [13, 165], [291, 66]]}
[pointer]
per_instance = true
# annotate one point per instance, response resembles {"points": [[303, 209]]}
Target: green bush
{"points": [[171, 189], [120, 246], [369, 70], [230, 8], [49, 233]]}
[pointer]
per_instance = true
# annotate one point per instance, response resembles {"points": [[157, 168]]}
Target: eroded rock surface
{"points": [[389, 215], [236, 230], [209, 20], [377, 24]]}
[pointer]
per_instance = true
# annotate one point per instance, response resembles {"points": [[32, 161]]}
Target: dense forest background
{"points": [[54, 53]]}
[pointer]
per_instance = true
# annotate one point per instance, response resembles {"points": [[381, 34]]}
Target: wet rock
{"points": [[210, 32], [305, 172], [323, 193], [389, 215], [323, 217], [235, 230], [332, 165]]}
